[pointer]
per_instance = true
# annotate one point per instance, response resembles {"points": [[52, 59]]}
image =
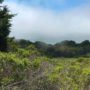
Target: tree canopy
{"points": [[5, 25], [1, 1]]}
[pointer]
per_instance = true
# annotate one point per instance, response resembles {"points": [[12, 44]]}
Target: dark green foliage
{"points": [[23, 43], [12, 45], [63, 49], [5, 25], [1, 1]]}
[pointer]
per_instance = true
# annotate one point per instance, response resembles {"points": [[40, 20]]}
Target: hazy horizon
{"points": [[50, 21]]}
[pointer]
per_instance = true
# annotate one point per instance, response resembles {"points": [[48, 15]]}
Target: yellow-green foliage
{"points": [[42, 73], [72, 74], [12, 68], [30, 51]]}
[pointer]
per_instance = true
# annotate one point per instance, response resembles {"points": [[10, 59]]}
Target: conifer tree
{"points": [[5, 25]]}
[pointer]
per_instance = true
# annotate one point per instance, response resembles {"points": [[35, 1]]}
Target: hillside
{"points": [[27, 69], [27, 65]]}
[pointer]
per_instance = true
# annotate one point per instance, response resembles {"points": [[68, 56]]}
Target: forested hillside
{"points": [[26, 65], [67, 48]]}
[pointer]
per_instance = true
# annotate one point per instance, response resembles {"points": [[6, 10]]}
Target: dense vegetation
{"points": [[26, 69], [26, 65], [63, 49]]}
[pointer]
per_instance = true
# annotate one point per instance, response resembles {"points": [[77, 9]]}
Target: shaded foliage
{"points": [[5, 25], [63, 49]]}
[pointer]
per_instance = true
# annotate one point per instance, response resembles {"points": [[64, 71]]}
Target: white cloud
{"points": [[38, 24]]}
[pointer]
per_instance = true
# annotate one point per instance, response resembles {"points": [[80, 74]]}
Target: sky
{"points": [[50, 21]]}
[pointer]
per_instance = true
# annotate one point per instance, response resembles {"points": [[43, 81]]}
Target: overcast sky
{"points": [[50, 20]]}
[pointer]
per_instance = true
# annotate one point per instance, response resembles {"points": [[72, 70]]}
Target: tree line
{"points": [[67, 48]]}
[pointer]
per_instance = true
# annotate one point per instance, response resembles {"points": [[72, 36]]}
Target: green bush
{"points": [[12, 68]]}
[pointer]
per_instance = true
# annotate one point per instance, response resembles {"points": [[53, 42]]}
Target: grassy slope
{"points": [[42, 73]]}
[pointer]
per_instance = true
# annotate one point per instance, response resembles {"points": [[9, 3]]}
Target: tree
{"points": [[5, 25], [1, 1], [85, 43]]}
